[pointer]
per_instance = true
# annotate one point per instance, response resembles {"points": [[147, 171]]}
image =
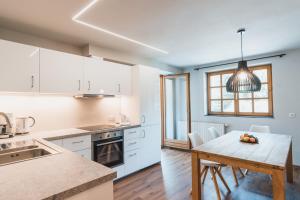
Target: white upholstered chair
{"points": [[260, 129]]}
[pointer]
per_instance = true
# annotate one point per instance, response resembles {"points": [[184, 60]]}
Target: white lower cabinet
{"points": [[142, 147], [150, 142], [80, 145], [132, 161], [86, 153]]}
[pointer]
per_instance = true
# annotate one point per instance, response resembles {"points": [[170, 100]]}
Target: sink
{"points": [[23, 151]]}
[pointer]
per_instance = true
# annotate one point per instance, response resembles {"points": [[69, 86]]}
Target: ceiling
{"points": [[191, 31]]}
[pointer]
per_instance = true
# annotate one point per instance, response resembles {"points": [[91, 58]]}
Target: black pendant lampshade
{"points": [[243, 80]]}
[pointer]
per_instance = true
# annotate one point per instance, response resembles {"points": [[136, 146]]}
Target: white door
{"points": [[150, 141], [60, 72], [19, 68], [149, 92]]}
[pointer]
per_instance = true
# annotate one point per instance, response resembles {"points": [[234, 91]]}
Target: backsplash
{"points": [[58, 112]]}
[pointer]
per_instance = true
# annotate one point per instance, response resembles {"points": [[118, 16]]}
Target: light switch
{"points": [[292, 115]]}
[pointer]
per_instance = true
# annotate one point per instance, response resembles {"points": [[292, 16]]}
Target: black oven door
{"points": [[109, 152]]}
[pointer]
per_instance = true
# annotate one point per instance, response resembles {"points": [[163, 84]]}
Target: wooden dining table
{"points": [[272, 155]]}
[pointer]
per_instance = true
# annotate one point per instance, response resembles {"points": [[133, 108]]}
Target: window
{"points": [[221, 102]]}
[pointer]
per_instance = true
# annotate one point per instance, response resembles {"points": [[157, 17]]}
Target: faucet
{"points": [[7, 121]]}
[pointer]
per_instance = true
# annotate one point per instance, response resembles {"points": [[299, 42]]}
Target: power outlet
{"points": [[292, 115]]}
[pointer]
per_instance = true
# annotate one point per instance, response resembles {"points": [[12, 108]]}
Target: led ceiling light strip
{"points": [[75, 18]]}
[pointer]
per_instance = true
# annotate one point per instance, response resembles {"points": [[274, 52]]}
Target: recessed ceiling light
{"points": [[75, 18]]}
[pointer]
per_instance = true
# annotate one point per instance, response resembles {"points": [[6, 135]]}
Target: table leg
{"points": [[289, 166], [196, 178], [278, 182]]}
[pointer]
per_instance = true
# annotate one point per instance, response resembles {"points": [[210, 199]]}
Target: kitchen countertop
{"points": [[56, 176]]}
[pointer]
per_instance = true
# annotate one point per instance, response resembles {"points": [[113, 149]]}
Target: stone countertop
{"points": [[73, 132], [56, 176]]}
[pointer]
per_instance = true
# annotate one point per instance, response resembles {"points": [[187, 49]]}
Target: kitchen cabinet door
{"points": [[132, 161], [149, 94], [85, 153], [119, 77], [99, 77], [123, 79], [150, 142], [19, 67], [60, 72]]}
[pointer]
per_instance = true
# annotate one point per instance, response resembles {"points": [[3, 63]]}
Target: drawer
{"points": [[132, 163], [131, 144], [86, 153], [131, 133], [77, 143], [57, 142]]}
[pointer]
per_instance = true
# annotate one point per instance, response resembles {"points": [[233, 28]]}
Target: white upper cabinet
{"points": [[119, 76], [19, 68], [60, 72], [149, 95], [98, 77]]}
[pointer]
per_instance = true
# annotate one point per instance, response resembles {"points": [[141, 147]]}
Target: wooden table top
{"points": [[272, 149]]}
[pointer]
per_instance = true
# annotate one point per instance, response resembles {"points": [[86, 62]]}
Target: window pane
{"points": [[227, 95], [228, 106], [215, 80], [245, 105], [262, 74], [215, 106], [245, 95], [215, 93], [263, 93], [225, 78], [261, 105]]}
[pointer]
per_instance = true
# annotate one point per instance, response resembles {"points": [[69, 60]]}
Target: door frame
{"points": [[168, 142]]}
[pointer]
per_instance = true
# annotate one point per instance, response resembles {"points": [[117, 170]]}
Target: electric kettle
{"points": [[24, 124]]}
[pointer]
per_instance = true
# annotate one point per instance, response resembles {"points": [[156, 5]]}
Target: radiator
{"points": [[200, 128]]}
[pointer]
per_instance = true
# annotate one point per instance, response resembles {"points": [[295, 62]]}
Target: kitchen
{"points": [[95, 103]]}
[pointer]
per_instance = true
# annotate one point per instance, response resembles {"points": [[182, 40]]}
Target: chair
{"points": [[213, 167], [260, 129]]}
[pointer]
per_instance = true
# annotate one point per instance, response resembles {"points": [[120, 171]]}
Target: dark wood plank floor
{"points": [[171, 180]]}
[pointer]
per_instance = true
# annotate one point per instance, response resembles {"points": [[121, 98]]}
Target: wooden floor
{"points": [[171, 180]]}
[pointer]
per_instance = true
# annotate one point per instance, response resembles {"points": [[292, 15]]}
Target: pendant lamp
{"points": [[243, 80]]}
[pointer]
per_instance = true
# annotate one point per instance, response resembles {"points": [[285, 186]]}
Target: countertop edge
{"points": [[83, 187]]}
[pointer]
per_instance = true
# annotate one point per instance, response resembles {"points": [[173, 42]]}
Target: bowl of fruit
{"points": [[248, 138]]}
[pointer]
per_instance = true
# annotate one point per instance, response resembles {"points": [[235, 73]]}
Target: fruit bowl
{"points": [[248, 138]]}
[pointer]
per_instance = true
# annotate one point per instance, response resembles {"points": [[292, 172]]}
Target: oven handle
{"points": [[99, 145]]}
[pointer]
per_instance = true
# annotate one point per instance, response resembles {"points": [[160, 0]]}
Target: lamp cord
{"points": [[242, 45]]}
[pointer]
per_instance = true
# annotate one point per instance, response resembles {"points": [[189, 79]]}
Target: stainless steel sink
{"points": [[23, 151]]}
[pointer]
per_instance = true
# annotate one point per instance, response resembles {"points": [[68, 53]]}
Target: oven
{"points": [[108, 148]]}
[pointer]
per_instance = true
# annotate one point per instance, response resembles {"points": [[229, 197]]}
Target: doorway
{"points": [[176, 114]]}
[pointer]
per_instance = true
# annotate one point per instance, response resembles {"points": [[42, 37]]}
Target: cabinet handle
{"points": [[119, 88], [132, 132], [132, 143], [131, 155], [77, 142], [32, 81], [144, 133], [143, 119], [89, 85], [79, 85]]}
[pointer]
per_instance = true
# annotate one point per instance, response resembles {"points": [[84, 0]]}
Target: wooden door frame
{"points": [[175, 143]]}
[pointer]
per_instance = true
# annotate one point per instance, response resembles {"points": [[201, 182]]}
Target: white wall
{"points": [[59, 112], [286, 99]]}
